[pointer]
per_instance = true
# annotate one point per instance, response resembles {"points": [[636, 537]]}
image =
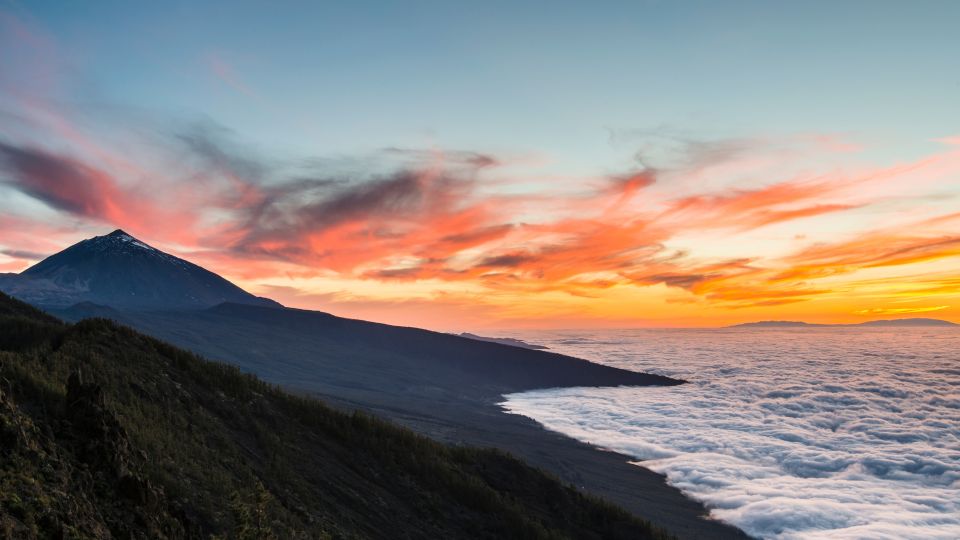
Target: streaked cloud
{"points": [[227, 74], [445, 219], [899, 311]]}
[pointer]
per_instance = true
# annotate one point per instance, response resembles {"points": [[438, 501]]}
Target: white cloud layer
{"points": [[787, 434]]}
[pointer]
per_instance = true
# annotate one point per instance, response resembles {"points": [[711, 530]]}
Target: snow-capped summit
{"points": [[120, 271], [117, 240], [120, 235]]}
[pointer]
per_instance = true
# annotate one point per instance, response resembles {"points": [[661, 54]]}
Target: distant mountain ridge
{"points": [[122, 272], [916, 321]]}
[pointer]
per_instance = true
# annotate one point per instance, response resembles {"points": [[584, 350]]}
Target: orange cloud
{"points": [[746, 209], [899, 311], [872, 250]]}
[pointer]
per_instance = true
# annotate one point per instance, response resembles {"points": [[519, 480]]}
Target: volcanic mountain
{"points": [[122, 272], [445, 386]]}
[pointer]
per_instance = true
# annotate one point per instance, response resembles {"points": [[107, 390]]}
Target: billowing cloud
{"points": [[777, 440]]}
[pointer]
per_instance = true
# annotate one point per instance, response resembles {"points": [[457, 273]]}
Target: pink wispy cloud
{"points": [[225, 72]]}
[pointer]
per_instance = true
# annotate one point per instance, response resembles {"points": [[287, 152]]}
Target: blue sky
{"points": [[555, 78]]}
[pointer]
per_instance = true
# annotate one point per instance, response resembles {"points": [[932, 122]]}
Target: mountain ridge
{"points": [[905, 322]]}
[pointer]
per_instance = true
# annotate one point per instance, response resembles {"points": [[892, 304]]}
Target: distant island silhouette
{"points": [[917, 321]]}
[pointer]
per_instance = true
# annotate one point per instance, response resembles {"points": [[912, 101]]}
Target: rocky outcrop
{"points": [[79, 477]]}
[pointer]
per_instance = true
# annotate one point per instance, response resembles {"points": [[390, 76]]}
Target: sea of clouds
{"points": [[833, 433]]}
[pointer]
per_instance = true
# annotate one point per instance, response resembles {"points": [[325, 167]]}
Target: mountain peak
{"points": [[122, 272], [120, 237], [120, 233]]}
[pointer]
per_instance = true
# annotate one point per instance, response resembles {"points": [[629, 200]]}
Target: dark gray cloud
{"points": [[449, 157], [58, 181], [289, 211], [278, 204], [683, 281], [479, 235], [667, 148], [394, 273], [506, 261], [211, 144], [21, 254], [315, 204]]}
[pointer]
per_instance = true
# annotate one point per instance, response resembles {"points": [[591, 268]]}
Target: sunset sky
{"points": [[505, 164]]}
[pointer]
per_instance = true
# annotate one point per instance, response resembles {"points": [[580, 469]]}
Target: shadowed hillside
{"points": [[106, 432], [314, 351]]}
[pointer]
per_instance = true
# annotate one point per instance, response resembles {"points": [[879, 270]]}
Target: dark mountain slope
{"points": [[443, 386], [107, 433], [313, 346], [122, 272]]}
